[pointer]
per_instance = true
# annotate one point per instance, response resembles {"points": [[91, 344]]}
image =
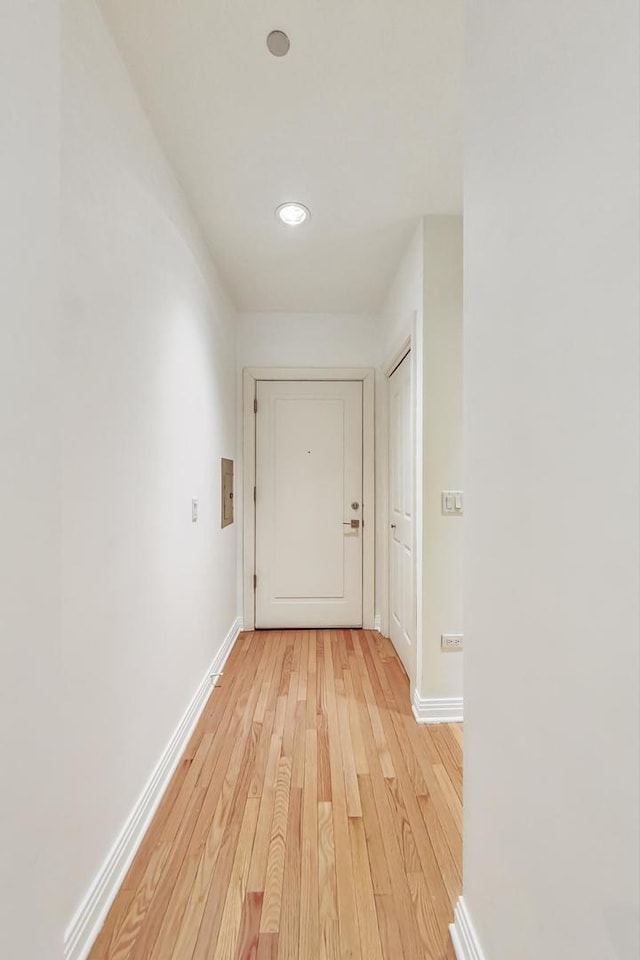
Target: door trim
{"points": [[250, 376]]}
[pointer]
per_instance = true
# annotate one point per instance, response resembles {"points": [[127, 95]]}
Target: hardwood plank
{"points": [[258, 869], [184, 916], [125, 935], [247, 948], [309, 922], [313, 687], [287, 663], [457, 733], [433, 933], [390, 937], [367, 918], [328, 905], [288, 938], [438, 904], [224, 852], [114, 919], [171, 897], [233, 756], [449, 754], [450, 868], [450, 795], [347, 752], [447, 822], [179, 820], [233, 907], [404, 833], [290, 710], [266, 715], [267, 946], [154, 833], [341, 655], [345, 881], [297, 758], [359, 752], [302, 637], [398, 880], [322, 726], [373, 830], [270, 920], [148, 934], [289, 713], [156, 829], [396, 695], [374, 713], [281, 712]]}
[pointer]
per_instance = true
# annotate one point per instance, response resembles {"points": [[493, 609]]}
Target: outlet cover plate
{"points": [[451, 641]]}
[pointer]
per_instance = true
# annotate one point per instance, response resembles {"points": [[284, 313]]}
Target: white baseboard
{"points": [[463, 935], [87, 922], [377, 623], [437, 710]]}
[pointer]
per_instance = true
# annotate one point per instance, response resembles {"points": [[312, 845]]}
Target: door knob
{"points": [[354, 524], [393, 526]]}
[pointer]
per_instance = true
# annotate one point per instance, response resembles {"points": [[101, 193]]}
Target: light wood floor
{"points": [[310, 818]]}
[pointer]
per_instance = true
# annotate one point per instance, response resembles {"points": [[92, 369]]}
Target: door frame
{"points": [[250, 377]]}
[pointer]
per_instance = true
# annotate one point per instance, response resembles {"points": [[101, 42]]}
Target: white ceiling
{"points": [[361, 122]]}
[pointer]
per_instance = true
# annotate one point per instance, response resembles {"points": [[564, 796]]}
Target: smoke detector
{"points": [[278, 43]]}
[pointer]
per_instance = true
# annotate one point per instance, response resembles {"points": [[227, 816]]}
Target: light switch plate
{"points": [[452, 503]]}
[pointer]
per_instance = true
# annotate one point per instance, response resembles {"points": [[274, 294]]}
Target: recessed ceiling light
{"points": [[293, 214], [278, 43]]}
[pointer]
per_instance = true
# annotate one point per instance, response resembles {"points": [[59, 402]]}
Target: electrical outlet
{"points": [[194, 510], [451, 641]]}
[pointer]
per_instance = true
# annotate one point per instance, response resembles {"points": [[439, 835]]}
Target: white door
{"points": [[402, 591], [308, 493]]}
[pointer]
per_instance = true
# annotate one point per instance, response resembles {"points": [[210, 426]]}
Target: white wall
{"points": [[404, 297], [552, 396], [149, 409], [442, 425], [31, 740], [307, 339]]}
